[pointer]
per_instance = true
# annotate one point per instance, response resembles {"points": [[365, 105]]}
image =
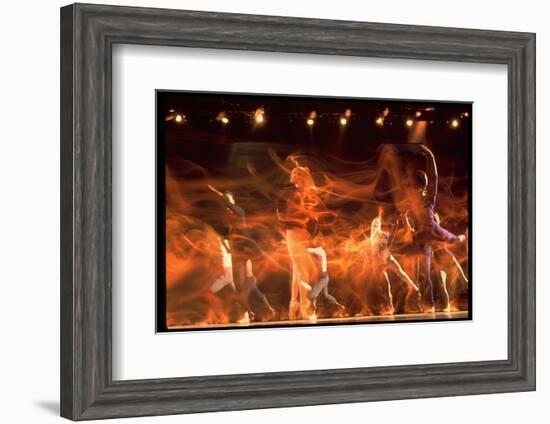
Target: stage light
{"points": [[343, 121], [466, 114], [311, 120], [409, 122], [222, 117], [172, 110], [417, 114], [347, 113], [380, 121], [179, 118], [454, 123], [259, 116]]}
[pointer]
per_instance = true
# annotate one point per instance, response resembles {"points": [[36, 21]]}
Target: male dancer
{"points": [[321, 286], [242, 252]]}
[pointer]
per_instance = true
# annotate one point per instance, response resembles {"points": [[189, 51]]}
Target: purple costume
{"points": [[428, 230]]}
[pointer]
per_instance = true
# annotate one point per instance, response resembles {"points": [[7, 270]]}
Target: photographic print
{"points": [[282, 210]]}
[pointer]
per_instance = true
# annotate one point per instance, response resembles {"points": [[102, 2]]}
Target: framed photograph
{"points": [[310, 210], [263, 212]]}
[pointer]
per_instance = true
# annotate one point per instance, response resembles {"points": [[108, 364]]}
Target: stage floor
{"points": [[418, 317]]}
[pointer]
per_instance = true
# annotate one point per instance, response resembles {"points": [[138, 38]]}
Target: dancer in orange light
{"points": [[421, 204], [449, 272], [296, 211], [243, 251], [320, 287], [383, 261]]}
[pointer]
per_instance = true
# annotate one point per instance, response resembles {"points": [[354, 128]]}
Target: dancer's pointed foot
{"points": [[245, 319], [446, 309], [387, 311], [307, 310], [294, 310], [340, 312]]}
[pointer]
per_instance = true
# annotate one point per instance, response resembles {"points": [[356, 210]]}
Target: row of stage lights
{"points": [[259, 118]]}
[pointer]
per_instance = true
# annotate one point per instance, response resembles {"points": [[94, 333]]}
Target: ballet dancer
{"points": [[428, 231], [321, 286], [295, 208], [383, 261], [448, 270], [243, 251]]}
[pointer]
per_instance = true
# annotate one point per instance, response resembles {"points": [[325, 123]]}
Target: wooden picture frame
{"points": [[88, 33]]}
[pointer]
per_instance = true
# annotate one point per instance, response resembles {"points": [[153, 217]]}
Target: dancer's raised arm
{"points": [[229, 201], [431, 172], [215, 190]]}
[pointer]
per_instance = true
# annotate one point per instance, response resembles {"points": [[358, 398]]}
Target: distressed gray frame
{"points": [[88, 33]]}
